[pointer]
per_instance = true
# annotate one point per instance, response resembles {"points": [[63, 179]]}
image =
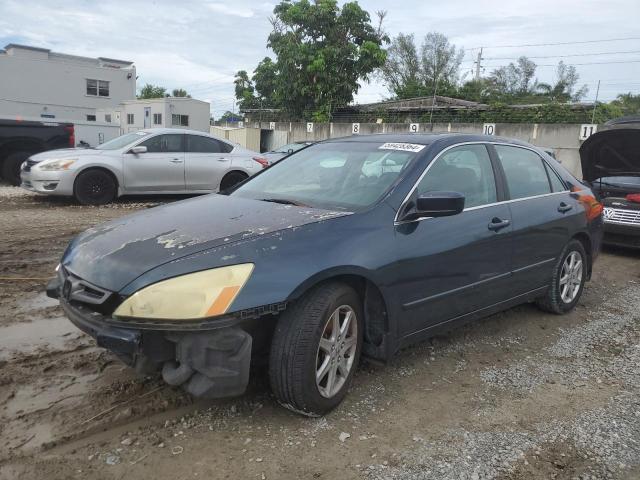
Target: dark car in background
{"points": [[21, 139], [279, 153], [611, 164], [350, 247]]}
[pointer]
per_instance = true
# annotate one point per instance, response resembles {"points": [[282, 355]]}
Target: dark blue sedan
{"points": [[350, 247]]}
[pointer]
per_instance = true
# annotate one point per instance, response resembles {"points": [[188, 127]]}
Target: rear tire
{"points": [[95, 187], [231, 179], [567, 283], [11, 166], [313, 358]]}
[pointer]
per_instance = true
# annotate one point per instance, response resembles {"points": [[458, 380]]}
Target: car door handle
{"points": [[176, 160], [223, 159], [498, 224], [563, 208]]}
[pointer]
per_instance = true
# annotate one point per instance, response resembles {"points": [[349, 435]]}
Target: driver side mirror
{"points": [[436, 204], [138, 150]]}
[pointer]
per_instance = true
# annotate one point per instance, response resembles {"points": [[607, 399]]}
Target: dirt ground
{"points": [[519, 395]]}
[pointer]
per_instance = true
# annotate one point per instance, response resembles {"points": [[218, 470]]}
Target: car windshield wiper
{"points": [[284, 201]]}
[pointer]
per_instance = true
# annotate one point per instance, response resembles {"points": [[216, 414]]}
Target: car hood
{"points": [[65, 153], [114, 254], [611, 153]]}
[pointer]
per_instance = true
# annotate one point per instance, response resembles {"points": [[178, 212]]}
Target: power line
{"points": [[559, 43], [566, 56]]}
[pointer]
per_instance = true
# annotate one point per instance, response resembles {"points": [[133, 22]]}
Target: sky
{"points": [[198, 45]]}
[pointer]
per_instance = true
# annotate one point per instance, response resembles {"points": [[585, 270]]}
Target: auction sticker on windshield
{"points": [[405, 147]]}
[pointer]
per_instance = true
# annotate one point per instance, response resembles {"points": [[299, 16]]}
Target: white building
{"points": [[36, 83], [167, 112]]}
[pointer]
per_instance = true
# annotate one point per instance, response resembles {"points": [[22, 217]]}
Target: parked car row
{"points": [[348, 247]]}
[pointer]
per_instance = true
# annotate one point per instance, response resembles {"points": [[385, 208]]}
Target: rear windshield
{"points": [[633, 181], [338, 175]]}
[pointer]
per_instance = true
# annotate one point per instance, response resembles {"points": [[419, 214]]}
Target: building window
{"points": [[107, 117], [97, 88], [129, 118], [157, 119], [180, 120], [91, 118]]}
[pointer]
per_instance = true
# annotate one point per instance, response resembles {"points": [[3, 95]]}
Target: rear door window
{"points": [[557, 185], [465, 169], [525, 172], [200, 144]]}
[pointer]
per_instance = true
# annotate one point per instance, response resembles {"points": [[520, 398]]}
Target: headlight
{"points": [[188, 297], [62, 164]]}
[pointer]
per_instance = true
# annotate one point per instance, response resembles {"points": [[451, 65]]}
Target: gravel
{"points": [[602, 442]]}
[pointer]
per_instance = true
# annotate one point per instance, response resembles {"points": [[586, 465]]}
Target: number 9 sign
{"points": [[414, 127]]}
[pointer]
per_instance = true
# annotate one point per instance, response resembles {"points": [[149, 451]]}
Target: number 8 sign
{"points": [[355, 128]]}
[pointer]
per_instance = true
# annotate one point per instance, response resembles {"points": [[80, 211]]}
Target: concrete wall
{"points": [[562, 138], [39, 82], [246, 137]]}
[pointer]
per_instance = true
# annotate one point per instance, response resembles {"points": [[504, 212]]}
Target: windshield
{"points": [[338, 176], [291, 146], [121, 141]]}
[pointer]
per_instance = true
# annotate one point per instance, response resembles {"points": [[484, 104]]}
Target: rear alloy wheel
{"points": [[231, 179], [95, 187], [568, 280], [316, 348]]}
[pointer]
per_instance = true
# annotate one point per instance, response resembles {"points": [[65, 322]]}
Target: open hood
{"points": [[611, 153]]}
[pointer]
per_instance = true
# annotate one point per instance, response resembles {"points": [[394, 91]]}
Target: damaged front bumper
{"points": [[210, 363]]}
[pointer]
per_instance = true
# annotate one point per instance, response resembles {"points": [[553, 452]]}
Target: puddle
{"points": [[43, 333], [39, 302]]}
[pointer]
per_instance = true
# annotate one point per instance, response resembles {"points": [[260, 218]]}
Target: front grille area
{"points": [[80, 292], [622, 217], [28, 164]]}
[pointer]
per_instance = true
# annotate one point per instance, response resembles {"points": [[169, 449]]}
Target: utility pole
{"points": [[478, 63], [595, 104]]}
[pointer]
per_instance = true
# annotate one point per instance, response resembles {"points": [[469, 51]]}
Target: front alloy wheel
{"points": [[315, 349], [336, 352]]}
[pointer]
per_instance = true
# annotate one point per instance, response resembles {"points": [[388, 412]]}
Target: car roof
{"points": [[174, 130], [428, 138]]}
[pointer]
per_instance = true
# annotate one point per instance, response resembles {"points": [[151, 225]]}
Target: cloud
{"points": [[232, 11]]}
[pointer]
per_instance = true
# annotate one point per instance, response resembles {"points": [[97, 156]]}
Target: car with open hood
{"points": [[611, 164], [349, 247]]}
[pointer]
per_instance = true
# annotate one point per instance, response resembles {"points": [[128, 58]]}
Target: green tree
{"points": [[628, 103], [230, 117], [265, 82], [244, 90], [514, 81], [412, 72], [180, 92], [323, 53], [152, 91], [564, 88]]}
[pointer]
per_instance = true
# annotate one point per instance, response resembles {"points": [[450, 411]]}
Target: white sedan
{"points": [[154, 161]]}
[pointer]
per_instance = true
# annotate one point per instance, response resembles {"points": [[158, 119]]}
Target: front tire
{"points": [[567, 283], [316, 348], [95, 187]]}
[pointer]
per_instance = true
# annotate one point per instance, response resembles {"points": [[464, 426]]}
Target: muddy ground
{"points": [[519, 395]]}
